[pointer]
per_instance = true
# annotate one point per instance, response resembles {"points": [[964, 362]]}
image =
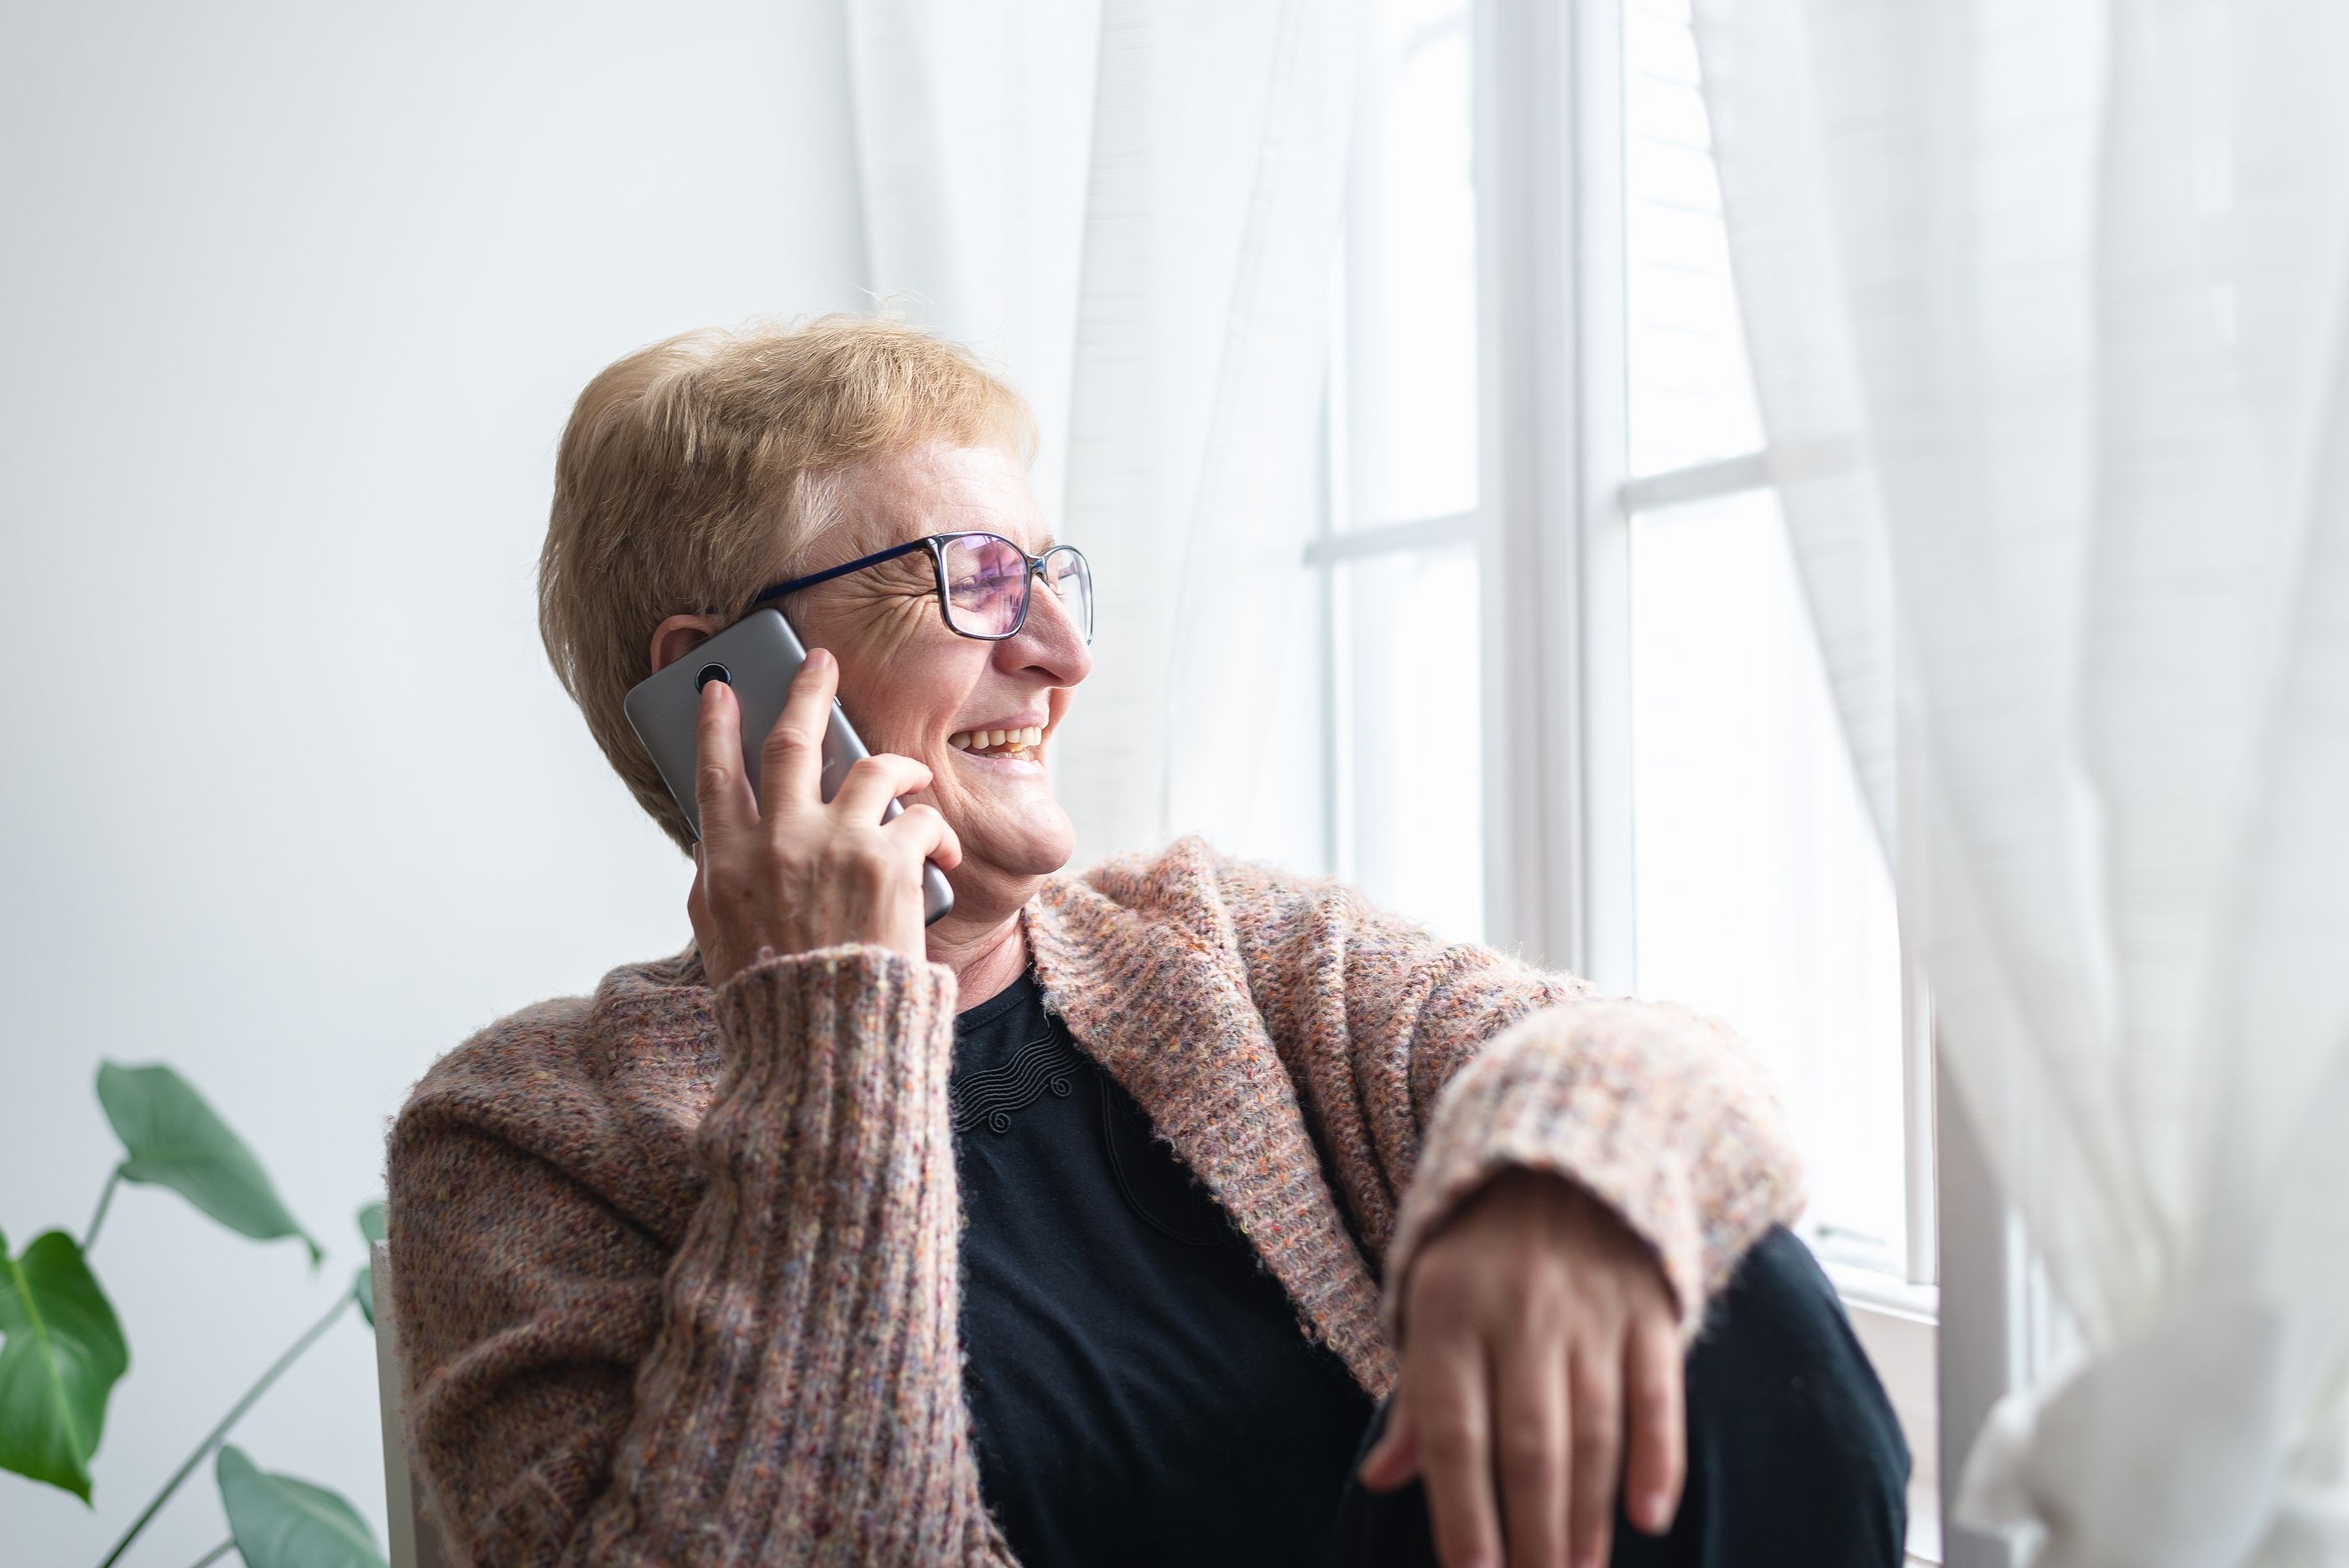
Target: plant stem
{"points": [[236, 1412], [216, 1553], [105, 1200]]}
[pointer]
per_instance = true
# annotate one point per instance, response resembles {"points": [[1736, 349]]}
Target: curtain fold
{"points": [[1134, 209], [2046, 304]]}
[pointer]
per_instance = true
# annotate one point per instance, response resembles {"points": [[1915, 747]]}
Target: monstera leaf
{"points": [[61, 1354], [370, 1232], [173, 1139], [281, 1522]]}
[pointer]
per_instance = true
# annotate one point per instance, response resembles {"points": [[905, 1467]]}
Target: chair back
{"points": [[415, 1539]]}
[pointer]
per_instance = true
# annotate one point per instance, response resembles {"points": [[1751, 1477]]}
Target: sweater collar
{"points": [[1159, 997]]}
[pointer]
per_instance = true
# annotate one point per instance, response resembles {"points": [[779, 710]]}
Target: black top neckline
{"points": [[1138, 1386], [1013, 995]]}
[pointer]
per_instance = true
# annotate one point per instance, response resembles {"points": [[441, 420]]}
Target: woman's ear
{"points": [[680, 635]]}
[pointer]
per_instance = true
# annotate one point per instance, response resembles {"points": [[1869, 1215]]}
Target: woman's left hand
{"points": [[1542, 1358]]}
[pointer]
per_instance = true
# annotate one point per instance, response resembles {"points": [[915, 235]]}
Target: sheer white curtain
{"points": [[2047, 303], [1135, 207]]}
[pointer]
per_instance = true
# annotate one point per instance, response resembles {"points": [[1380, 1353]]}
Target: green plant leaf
{"points": [[61, 1354], [174, 1139], [370, 1232], [281, 1522]]}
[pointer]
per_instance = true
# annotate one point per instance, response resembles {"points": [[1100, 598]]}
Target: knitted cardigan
{"points": [[676, 1268]]}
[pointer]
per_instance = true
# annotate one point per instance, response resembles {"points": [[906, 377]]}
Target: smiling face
{"points": [[912, 686]]}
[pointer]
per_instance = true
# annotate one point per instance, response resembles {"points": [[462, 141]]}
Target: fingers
{"points": [[929, 834], [697, 907], [721, 790], [1657, 1414], [1394, 1458], [1598, 1414], [872, 784], [1455, 1431], [1545, 1365], [1534, 1448], [791, 759]]}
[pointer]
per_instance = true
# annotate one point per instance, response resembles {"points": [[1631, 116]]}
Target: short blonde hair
{"points": [[694, 472]]}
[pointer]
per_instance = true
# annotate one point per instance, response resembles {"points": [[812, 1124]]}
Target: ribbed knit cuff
{"points": [[814, 1309], [1636, 1102], [858, 1029]]}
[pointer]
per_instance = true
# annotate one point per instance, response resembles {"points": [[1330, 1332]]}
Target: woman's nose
{"points": [[1050, 640]]}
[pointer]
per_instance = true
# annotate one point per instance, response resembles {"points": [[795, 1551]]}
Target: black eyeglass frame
{"points": [[936, 545]]}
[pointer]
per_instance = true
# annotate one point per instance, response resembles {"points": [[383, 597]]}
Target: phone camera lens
{"points": [[709, 672]]}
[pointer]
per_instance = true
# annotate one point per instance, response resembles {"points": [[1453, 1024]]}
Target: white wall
{"points": [[293, 299]]}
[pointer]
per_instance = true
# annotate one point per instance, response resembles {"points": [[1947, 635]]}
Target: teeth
{"points": [[989, 740]]}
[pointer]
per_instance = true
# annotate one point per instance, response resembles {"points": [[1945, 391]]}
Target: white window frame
{"points": [[1552, 530], [1558, 507]]}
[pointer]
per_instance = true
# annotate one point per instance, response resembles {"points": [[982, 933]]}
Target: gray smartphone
{"points": [[756, 656]]}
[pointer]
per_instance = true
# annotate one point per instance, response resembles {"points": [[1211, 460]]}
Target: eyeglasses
{"points": [[983, 582]]}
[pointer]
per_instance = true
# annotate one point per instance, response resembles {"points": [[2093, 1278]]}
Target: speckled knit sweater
{"points": [[675, 1270]]}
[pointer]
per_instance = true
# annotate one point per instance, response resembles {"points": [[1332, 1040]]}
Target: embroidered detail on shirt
{"points": [[1049, 1062]]}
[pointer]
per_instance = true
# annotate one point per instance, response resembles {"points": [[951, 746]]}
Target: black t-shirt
{"points": [[1140, 1390]]}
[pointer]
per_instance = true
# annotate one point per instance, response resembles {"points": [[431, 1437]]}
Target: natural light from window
{"points": [[1692, 397], [1762, 894], [1758, 893], [1403, 606]]}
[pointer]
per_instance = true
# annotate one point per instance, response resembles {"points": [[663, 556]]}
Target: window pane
{"points": [[1410, 796], [1692, 395], [1411, 272], [1762, 897]]}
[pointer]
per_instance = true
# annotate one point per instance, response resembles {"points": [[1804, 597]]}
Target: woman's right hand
{"points": [[805, 873]]}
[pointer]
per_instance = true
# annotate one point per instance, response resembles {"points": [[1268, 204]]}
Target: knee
{"points": [[1780, 1392]]}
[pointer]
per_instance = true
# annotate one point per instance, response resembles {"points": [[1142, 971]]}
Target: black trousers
{"points": [[1794, 1456]]}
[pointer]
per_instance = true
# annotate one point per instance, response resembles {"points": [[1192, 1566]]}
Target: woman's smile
{"points": [[1020, 738], [1021, 761]]}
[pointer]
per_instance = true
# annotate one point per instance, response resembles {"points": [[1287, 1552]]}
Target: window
{"points": [[1754, 887], [1399, 549], [1547, 471], [1757, 890], [1760, 892]]}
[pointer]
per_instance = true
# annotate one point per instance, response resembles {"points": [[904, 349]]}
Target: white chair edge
{"points": [[415, 1542]]}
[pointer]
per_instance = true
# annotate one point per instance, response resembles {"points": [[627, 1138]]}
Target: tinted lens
{"points": [[1069, 576], [986, 584]]}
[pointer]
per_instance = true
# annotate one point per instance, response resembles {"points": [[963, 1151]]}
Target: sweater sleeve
{"points": [[1428, 1068], [783, 1388]]}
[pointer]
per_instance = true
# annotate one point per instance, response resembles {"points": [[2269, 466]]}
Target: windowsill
{"points": [[1884, 1292], [1898, 1324]]}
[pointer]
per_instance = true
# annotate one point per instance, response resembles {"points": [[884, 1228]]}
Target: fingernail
{"points": [[1656, 1512], [818, 657]]}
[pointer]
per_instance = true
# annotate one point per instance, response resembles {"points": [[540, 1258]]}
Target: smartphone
{"points": [[756, 656]]}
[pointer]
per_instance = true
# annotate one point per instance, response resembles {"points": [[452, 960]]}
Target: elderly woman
{"points": [[1092, 1224]]}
